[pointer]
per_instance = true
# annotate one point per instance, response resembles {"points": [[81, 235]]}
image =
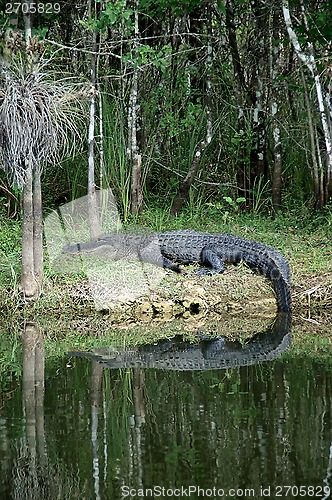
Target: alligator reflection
{"points": [[219, 353]]}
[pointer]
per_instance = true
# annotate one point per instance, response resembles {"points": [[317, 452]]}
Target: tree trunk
{"points": [[101, 142], [136, 158], [314, 167], [32, 224], [38, 257], [93, 211], [185, 185], [275, 71], [239, 90], [259, 91], [310, 62], [28, 285], [209, 63], [277, 160]]}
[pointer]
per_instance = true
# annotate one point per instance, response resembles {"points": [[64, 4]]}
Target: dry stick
{"points": [[188, 180]]}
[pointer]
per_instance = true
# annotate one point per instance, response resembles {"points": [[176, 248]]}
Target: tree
{"points": [[170, 73], [324, 189], [36, 129]]}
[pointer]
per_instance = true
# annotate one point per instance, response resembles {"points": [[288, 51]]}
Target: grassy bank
{"points": [[304, 238]]}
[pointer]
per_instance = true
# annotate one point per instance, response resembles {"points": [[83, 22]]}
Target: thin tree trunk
{"points": [[32, 224], [185, 185], [101, 143], [277, 157], [239, 89], [310, 62], [320, 170], [258, 163], [94, 221], [136, 158], [38, 257], [28, 285], [27, 23], [276, 64], [209, 63], [319, 197]]}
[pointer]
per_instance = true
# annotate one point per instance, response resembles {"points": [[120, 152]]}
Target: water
{"points": [[74, 428]]}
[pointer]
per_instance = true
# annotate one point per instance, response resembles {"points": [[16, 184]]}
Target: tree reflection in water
{"points": [[96, 429]]}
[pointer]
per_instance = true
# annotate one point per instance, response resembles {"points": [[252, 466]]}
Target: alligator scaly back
{"points": [[213, 251]]}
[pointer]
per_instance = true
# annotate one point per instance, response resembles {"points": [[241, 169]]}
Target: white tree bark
{"points": [[101, 142], [276, 64], [133, 150], [92, 205], [94, 221], [209, 61], [309, 60]]}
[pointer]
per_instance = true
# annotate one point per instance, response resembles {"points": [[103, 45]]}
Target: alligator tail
{"points": [[266, 260], [274, 266]]}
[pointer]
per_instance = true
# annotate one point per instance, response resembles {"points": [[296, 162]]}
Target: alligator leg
{"points": [[168, 264], [213, 263]]}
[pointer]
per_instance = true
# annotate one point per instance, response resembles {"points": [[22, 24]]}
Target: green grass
{"points": [[296, 233], [10, 251]]}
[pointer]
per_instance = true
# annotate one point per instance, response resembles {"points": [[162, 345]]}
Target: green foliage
{"points": [[234, 204], [319, 30], [174, 7], [115, 14], [260, 197], [10, 247], [116, 168], [173, 71]]}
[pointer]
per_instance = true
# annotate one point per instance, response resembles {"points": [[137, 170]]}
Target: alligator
{"points": [[210, 250], [212, 354]]}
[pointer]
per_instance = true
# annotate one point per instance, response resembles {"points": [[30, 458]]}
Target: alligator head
{"points": [[112, 248]]}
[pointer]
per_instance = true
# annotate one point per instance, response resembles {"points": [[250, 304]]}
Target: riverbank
{"points": [[305, 242], [237, 304]]}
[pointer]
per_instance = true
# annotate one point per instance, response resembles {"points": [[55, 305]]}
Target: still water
{"points": [[81, 427]]}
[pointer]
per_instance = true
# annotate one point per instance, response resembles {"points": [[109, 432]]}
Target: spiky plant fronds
{"points": [[40, 120]]}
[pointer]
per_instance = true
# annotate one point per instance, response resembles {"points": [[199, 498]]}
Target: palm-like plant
{"points": [[39, 125]]}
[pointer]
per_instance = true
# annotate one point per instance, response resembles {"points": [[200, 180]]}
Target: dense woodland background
{"points": [[185, 101]]}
